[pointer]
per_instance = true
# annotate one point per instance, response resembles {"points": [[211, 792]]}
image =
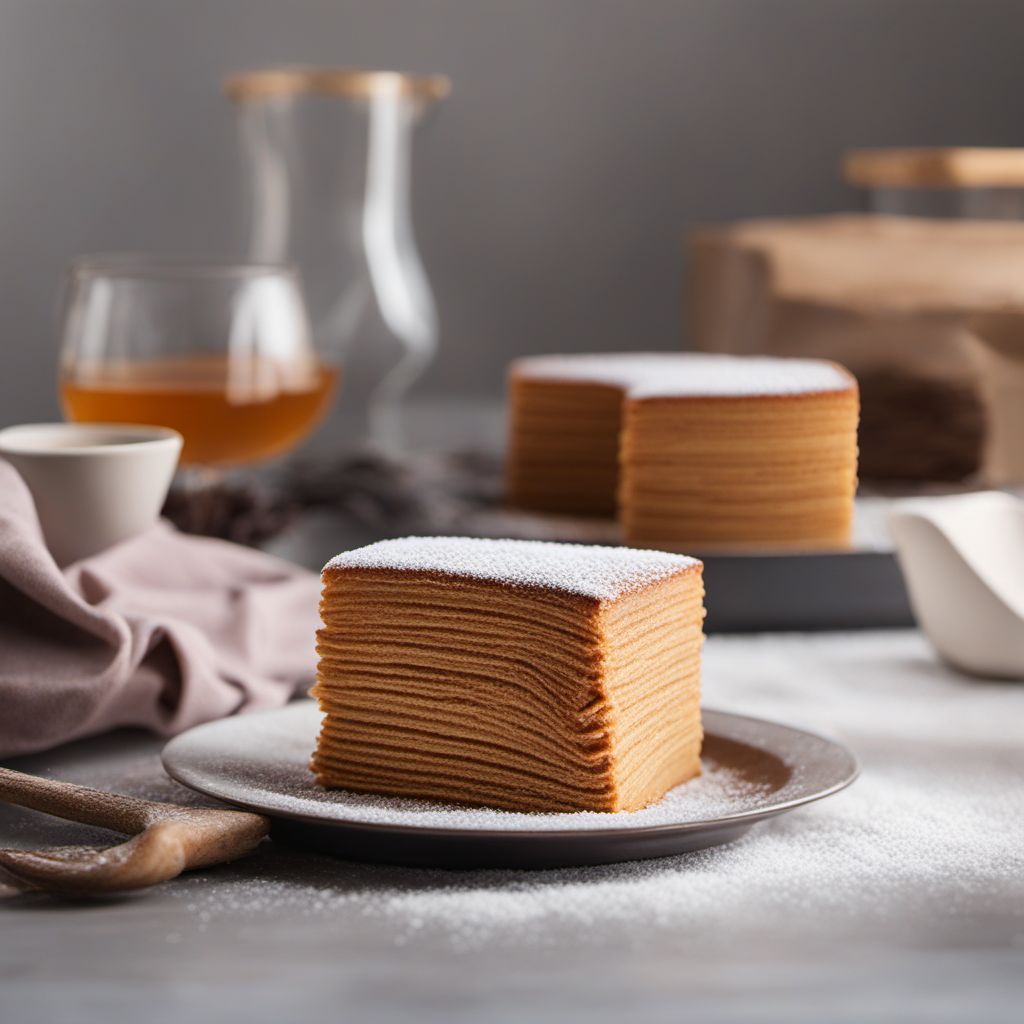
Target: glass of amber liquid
{"points": [[222, 353]]}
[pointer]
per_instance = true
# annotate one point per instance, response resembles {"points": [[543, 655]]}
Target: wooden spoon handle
{"points": [[76, 803]]}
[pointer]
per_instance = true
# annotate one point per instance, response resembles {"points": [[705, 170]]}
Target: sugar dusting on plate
{"points": [[263, 759]]}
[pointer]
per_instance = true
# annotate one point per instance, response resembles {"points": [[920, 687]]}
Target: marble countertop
{"points": [[901, 898]]}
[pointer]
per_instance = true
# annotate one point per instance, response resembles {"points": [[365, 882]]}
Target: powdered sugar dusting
{"points": [[924, 853], [931, 836], [684, 374], [604, 573]]}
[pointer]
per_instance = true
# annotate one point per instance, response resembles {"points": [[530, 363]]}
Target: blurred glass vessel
{"points": [[328, 158], [222, 353]]}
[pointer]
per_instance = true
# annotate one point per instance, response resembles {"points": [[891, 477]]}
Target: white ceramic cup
{"points": [[94, 484], [963, 559]]}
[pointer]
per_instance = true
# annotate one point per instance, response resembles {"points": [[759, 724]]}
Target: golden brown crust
{"points": [[455, 580], [796, 396]]}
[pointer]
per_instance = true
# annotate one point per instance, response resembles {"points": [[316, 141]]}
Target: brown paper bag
{"points": [[892, 298]]}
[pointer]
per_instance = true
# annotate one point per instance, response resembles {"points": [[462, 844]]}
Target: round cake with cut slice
{"points": [[519, 675], [690, 451]]}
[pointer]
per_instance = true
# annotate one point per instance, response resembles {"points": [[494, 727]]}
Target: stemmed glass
{"points": [[221, 352]]}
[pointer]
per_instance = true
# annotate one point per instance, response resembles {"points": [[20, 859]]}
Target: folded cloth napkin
{"points": [[162, 631]]}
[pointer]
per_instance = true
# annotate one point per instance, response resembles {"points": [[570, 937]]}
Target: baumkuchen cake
{"points": [[689, 450], [513, 674]]}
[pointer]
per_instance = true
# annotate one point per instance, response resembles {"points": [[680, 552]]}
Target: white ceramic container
{"points": [[963, 560], [94, 484]]}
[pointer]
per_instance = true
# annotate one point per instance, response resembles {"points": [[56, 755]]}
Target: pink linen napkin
{"points": [[163, 631]]}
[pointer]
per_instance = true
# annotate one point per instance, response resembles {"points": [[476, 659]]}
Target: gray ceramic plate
{"points": [[753, 770], [753, 591], [819, 591]]}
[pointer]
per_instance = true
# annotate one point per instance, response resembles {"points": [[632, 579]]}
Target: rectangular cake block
{"points": [[692, 451], [511, 674]]}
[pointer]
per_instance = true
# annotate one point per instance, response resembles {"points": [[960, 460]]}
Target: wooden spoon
{"points": [[167, 838]]}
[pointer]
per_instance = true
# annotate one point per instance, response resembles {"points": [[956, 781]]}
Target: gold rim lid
{"points": [[952, 167], [267, 83]]}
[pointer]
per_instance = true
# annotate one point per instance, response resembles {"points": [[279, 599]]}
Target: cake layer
{"points": [[563, 452], [575, 686], [780, 471]]}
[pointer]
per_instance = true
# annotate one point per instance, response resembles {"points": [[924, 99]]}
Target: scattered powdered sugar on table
{"points": [[933, 828], [929, 840], [685, 374], [594, 571]]}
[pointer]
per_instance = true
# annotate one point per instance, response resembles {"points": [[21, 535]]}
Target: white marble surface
{"points": [[902, 898]]}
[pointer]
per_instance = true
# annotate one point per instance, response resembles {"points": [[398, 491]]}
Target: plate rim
{"points": [[748, 817]]}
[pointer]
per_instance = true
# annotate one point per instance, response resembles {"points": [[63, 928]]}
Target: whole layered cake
{"points": [[688, 450], [512, 674]]}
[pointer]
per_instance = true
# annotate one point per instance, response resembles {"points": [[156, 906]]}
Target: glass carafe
{"points": [[328, 158]]}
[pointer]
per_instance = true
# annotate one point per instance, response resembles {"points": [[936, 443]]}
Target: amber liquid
{"points": [[229, 412]]}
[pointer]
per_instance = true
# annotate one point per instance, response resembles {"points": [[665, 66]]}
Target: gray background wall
{"points": [[553, 189]]}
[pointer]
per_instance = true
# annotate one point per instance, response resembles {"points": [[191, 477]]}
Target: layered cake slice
{"points": [[512, 674], [712, 451]]}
